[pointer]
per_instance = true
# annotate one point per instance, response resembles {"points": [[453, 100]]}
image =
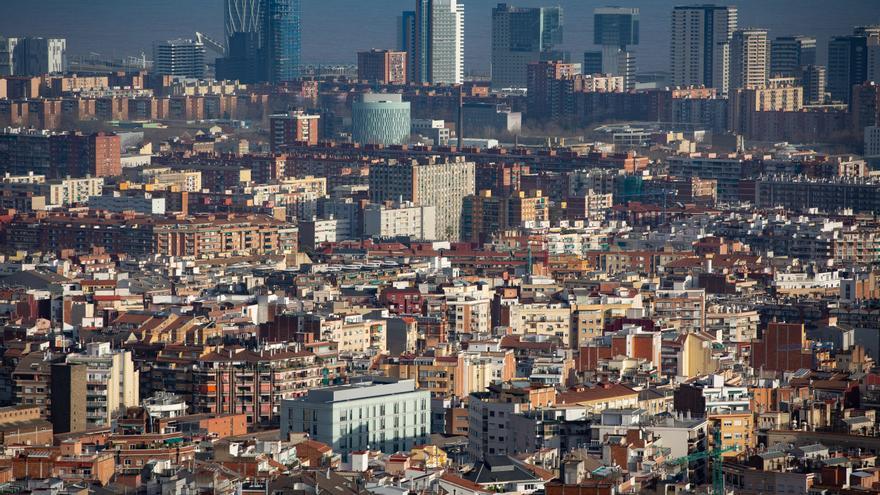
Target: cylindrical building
{"points": [[380, 119]]}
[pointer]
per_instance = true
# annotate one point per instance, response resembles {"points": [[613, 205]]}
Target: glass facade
{"points": [[520, 36], [283, 39]]}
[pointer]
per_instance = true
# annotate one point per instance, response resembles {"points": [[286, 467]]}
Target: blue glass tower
{"points": [[282, 39]]}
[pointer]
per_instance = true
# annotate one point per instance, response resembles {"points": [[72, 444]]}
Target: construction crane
{"points": [[715, 456]]}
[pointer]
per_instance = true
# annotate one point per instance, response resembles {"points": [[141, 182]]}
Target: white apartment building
{"points": [[401, 220]]}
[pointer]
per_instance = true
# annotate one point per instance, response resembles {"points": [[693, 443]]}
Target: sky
{"points": [[334, 30]]}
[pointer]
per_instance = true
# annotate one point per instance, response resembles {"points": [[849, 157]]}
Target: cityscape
{"points": [[514, 248]]}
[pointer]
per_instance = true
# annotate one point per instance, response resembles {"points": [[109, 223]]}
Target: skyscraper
{"points": [[33, 56], [699, 48], [790, 53], [615, 31], [433, 37], [406, 36], [813, 79], [7, 56], [520, 36], [748, 59], [847, 65], [281, 32], [243, 23], [243, 16]]}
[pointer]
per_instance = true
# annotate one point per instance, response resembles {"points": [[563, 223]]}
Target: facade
{"points": [[406, 42], [252, 384], [180, 57], [435, 130], [141, 235], [748, 59], [783, 347], [282, 39], [813, 78], [56, 155], [847, 65], [429, 182], [111, 385], [484, 213], [779, 95], [380, 119], [521, 36], [550, 85], [803, 193], [243, 26], [700, 45], [400, 220], [55, 192], [293, 127], [382, 66], [486, 120], [144, 203], [726, 170], [436, 30], [68, 404], [872, 141], [7, 56], [616, 31], [242, 16], [32, 56], [788, 54], [387, 415]]}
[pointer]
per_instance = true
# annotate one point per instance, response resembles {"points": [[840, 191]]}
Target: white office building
{"points": [[385, 414], [180, 57]]}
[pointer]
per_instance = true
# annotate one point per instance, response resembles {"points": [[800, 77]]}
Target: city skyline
{"points": [[106, 28]]}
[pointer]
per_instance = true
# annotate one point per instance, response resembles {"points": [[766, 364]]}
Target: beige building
{"points": [[749, 61], [355, 335], [551, 320], [732, 324], [469, 315], [165, 178], [684, 309], [602, 83], [112, 382]]}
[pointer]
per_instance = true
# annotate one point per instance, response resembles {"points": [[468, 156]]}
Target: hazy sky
{"points": [[333, 30]]}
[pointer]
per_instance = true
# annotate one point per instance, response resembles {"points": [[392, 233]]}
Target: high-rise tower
{"points": [[433, 37], [700, 45], [520, 36], [281, 32], [615, 32]]}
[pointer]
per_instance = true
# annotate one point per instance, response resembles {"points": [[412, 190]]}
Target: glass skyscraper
{"points": [[242, 16], [262, 39], [520, 36], [615, 31], [281, 31]]}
